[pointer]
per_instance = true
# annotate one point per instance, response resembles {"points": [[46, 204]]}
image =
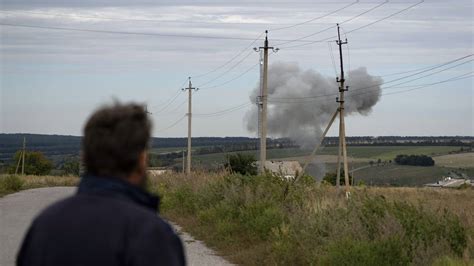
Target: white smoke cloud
{"points": [[301, 102]]}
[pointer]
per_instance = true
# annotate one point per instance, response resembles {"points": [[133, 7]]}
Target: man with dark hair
{"points": [[111, 220]]}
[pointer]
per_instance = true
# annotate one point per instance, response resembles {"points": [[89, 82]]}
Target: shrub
{"points": [[241, 163], [10, 183], [331, 178]]}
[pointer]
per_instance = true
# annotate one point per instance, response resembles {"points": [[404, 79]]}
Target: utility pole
{"points": [[342, 152], [183, 161], [21, 159], [188, 161], [263, 106], [342, 126], [259, 102]]}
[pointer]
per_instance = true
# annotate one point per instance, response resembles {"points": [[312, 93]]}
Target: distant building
{"points": [[156, 171], [449, 182], [285, 169]]}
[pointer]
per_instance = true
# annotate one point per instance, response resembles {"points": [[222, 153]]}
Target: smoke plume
{"points": [[301, 102]]}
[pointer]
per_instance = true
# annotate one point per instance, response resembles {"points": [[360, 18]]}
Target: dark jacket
{"points": [[108, 222]]}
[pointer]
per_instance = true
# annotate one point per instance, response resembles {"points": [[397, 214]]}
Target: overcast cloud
{"points": [[51, 79]]}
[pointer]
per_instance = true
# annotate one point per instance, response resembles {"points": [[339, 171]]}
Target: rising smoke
{"points": [[292, 114]]}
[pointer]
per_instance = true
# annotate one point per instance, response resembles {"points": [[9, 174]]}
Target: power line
{"points": [[332, 58], [390, 81], [225, 111], [136, 20], [228, 70], [421, 86], [331, 27], [172, 125], [233, 58], [195, 36], [387, 17], [232, 79], [316, 18], [171, 100], [356, 29], [236, 77]]}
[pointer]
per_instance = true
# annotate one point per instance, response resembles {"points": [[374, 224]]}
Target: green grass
{"points": [[262, 220], [397, 175]]}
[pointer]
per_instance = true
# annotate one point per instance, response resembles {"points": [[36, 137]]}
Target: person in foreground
{"points": [[111, 220]]}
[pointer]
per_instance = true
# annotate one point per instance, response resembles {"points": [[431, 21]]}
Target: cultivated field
{"points": [[460, 160]]}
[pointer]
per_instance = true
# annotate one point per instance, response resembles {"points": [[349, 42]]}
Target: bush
{"points": [[71, 167], [243, 164], [10, 183], [331, 178]]}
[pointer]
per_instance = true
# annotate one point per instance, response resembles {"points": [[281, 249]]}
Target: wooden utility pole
{"points": [[23, 157], [184, 160], [342, 126], [188, 161], [342, 152], [263, 105]]}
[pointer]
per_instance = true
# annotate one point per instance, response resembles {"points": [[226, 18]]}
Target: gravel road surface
{"points": [[19, 209]]}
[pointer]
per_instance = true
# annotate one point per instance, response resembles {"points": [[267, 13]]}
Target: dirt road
{"points": [[19, 209]]}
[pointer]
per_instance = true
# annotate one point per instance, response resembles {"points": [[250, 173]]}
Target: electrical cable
{"points": [[356, 29], [390, 81], [330, 27], [226, 63], [172, 125]]}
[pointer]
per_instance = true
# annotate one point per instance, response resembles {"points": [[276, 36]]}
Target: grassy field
{"points": [[400, 175], [460, 160], [365, 152], [359, 156], [267, 221]]}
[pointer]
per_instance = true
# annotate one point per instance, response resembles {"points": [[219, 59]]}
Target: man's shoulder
{"points": [[87, 206]]}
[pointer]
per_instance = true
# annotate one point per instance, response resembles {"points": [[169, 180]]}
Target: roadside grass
{"points": [[262, 220], [14, 183]]}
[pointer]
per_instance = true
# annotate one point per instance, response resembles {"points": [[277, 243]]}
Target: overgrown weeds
{"points": [[258, 220], [14, 183]]}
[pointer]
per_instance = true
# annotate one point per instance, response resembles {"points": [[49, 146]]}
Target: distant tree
{"points": [[331, 178], [415, 160], [379, 161], [244, 164], [371, 163], [71, 166], [35, 163]]}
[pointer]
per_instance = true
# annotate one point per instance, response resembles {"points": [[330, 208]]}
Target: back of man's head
{"points": [[115, 137]]}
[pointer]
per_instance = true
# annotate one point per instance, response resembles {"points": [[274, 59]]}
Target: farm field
{"points": [[456, 160], [383, 174], [365, 152]]}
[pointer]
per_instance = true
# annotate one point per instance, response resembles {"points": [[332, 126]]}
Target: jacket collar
{"points": [[116, 187]]}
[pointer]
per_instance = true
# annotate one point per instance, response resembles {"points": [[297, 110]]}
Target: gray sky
{"points": [[52, 79]]}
